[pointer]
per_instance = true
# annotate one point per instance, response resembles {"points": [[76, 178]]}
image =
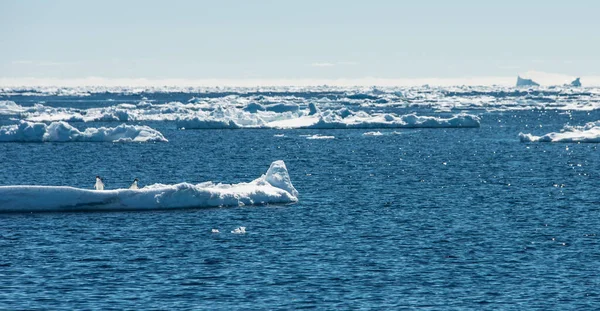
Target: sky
{"points": [[307, 40]]}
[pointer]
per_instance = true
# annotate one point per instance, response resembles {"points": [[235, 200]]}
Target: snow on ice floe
{"points": [[589, 133], [64, 132], [274, 187]]}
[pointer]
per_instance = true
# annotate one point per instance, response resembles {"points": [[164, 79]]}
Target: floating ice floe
{"points": [[255, 108], [274, 187], [10, 108], [240, 230], [376, 133], [63, 132], [319, 136], [589, 133], [225, 116], [329, 119]]}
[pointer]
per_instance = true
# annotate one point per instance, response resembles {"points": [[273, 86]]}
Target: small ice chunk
{"points": [[240, 230]]}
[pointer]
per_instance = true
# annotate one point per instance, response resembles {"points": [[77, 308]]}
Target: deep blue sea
{"points": [[429, 218]]}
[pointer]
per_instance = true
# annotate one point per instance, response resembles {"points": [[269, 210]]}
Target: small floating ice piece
{"points": [[240, 230], [319, 136]]}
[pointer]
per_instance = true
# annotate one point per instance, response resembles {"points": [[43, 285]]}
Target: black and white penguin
{"points": [[134, 185], [99, 184]]}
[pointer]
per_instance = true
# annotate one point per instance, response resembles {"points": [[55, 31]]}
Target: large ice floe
{"points": [[314, 119], [274, 187], [234, 112], [60, 131], [10, 108], [589, 133]]}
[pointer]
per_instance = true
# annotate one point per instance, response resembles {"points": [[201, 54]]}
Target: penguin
{"points": [[134, 185], [99, 184]]}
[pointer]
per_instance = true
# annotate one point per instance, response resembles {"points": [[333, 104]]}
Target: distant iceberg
{"points": [[525, 82], [576, 83], [274, 187], [589, 133], [61, 131]]}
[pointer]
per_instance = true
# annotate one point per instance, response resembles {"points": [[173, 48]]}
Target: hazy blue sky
{"points": [[297, 39]]}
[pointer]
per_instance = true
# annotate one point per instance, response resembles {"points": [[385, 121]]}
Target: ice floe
{"points": [[10, 108], [588, 133], [61, 131], [329, 119], [239, 230], [319, 136], [288, 107], [274, 187], [376, 133]]}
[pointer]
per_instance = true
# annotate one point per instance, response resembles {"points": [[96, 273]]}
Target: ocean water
{"points": [[416, 218]]}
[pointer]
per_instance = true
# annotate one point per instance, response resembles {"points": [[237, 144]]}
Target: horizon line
{"points": [[544, 79]]}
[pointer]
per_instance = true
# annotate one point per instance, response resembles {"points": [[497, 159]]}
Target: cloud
{"points": [[328, 64], [322, 64], [347, 63], [22, 62], [42, 63], [509, 67]]}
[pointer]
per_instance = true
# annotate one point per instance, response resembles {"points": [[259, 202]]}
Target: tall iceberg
{"points": [[576, 83], [526, 82]]}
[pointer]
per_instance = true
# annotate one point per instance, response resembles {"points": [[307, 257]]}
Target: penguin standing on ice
{"points": [[99, 184], [134, 185]]}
